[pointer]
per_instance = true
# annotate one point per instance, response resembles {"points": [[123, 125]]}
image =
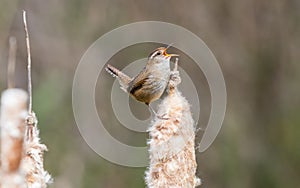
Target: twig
{"points": [[11, 62], [29, 63]]}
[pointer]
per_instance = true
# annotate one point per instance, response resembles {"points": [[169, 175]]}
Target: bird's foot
{"points": [[174, 79], [163, 117]]}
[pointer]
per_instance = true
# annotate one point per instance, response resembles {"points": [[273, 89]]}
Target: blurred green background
{"points": [[257, 44]]}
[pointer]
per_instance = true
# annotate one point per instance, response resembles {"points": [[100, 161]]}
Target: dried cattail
{"points": [[13, 113], [32, 164], [171, 144]]}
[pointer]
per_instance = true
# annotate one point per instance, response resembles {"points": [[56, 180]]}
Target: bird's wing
{"points": [[141, 80], [123, 79]]}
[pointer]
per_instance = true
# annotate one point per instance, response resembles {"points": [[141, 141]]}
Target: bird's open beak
{"points": [[169, 55]]}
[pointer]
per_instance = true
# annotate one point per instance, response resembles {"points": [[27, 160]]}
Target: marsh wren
{"points": [[151, 82]]}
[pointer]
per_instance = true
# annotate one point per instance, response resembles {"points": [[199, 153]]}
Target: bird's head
{"points": [[161, 54]]}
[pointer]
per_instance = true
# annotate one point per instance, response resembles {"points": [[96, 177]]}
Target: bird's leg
{"points": [[158, 116], [152, 110]]}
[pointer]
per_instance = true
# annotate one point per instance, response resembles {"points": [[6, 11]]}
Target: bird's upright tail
{"points": [[122, 78]]}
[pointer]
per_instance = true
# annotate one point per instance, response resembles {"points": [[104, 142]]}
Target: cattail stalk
{"points": [[171, 145], [28, 62], [11, 62]]}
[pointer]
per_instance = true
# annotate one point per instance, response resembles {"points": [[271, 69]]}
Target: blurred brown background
{"points": [[257, 44]]}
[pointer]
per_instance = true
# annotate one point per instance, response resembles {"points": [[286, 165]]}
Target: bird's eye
{"points": [[158, 53]]}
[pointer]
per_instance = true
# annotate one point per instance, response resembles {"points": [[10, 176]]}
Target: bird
{"points": [[150, 83]]}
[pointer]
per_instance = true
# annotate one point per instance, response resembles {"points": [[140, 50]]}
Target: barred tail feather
{"points": [[112, 70], [122, 78]]}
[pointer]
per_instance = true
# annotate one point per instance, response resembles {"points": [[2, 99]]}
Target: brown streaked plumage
{"points": [[151, 82]]}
